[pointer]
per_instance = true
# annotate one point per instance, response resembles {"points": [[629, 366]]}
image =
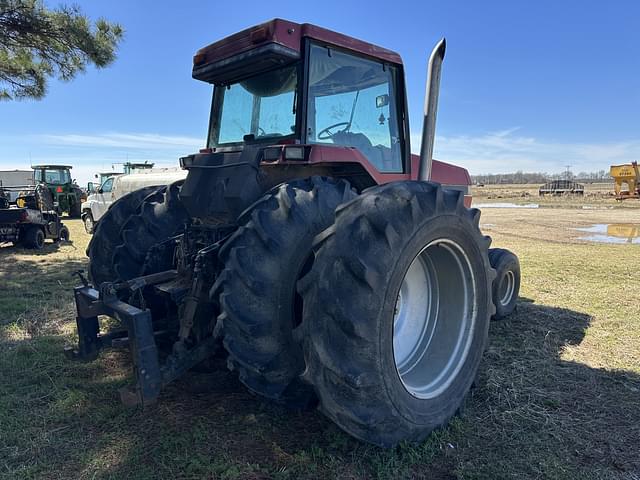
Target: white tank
{"points": [[124, 184]]}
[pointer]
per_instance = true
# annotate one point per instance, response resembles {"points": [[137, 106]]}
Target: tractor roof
{"points": [[271, 44], [53, 167]]}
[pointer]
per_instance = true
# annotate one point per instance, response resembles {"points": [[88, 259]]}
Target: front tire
{"points": [[396, 311], [263, 260], [506, 286], [88, 222], [64, 234]]}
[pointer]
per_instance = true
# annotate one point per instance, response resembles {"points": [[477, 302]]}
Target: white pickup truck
{"points": [[119, 185]]}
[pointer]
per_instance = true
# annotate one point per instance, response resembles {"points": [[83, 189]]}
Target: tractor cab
{"points": [[283, 83], [67, 196], [297, 100], [58, 175]]}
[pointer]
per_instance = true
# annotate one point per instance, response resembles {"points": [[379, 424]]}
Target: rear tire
{"points": [[75, 210], [44, 198], [263, 260], [396, 311], [33, 238], [131, 226], [506, 286]]}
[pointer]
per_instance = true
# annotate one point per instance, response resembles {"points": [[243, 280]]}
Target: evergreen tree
{"points": [[37, 43]]}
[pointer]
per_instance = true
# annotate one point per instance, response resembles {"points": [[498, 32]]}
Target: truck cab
{"points": [[97, 203], [116, 185]]}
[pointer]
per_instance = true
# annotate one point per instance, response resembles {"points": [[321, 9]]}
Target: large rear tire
{"points": [[127, 231], [396, 311], [263, 260]]}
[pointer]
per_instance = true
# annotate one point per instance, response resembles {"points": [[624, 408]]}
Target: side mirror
{"points": [[99, 190], [90, 187]]}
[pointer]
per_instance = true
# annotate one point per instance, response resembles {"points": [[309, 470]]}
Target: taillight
{"points": [[59, 190]]}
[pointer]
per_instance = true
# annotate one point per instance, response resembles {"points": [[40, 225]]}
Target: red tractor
{"points": [[306, 244]]}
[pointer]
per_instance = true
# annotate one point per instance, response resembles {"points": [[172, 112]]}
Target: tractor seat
{"points": [[379, 155]]}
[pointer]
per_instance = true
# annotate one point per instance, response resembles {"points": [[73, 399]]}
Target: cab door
{"points": [[104, 198]]}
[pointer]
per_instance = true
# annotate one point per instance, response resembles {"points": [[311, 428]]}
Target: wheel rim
{"points": [[88, 224], [507, 287], [434, 318]]}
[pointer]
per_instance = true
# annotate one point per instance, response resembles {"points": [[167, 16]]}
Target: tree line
{"points": [[540, 177]]}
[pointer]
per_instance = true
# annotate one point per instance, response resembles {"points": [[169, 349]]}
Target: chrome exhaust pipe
{"points": [[430, 110]]}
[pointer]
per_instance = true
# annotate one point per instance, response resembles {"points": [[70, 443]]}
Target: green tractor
{"points": [[67, 195]]}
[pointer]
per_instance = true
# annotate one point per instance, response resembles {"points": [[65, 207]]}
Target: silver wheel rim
{"points": [[507, 287], [434, 318], [88, 223]]}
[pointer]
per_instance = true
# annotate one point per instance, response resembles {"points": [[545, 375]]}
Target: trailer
{"points": [[561, 187]]}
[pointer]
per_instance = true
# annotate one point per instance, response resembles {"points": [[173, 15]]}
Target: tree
{"points": [[37, 43]]}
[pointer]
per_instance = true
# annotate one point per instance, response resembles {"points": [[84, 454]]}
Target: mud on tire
{"points": [[131, 226], [263, 260], [354, 297]]}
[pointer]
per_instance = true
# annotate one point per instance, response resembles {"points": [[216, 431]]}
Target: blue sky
{"points": [[526, 85]]}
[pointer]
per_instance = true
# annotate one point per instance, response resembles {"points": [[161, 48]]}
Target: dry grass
{"points": [[557, 396]]}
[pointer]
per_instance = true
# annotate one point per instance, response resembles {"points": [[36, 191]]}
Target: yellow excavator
{"points": [[626, 174]]}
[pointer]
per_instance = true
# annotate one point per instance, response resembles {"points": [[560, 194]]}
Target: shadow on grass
{"points": [[531, 415], [34, 280]]}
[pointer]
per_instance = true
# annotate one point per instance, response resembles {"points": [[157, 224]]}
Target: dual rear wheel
{"points": [[385, 316]]}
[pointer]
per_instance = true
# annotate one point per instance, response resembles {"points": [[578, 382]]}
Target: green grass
{"points": [[557, 397]]}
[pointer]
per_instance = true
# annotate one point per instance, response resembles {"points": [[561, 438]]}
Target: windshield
{"points": [[262, 106], [52, 176]]}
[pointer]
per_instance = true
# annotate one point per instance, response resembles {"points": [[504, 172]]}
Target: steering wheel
{"points": [[326, 133]]}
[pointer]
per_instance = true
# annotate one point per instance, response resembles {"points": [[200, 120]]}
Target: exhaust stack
{"points": [[431, 109]]}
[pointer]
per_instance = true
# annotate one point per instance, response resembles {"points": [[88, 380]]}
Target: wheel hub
{"points": [[507, 287], [434, 318]]}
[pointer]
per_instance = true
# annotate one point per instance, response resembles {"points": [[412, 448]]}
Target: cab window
{"points": [[54, 176], [107, 185], [351, 102]]}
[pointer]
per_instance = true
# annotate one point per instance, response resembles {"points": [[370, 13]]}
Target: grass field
{"points": [[558, 395]]}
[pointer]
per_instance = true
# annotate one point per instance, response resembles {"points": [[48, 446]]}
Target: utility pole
{"points": [[568, 172]]}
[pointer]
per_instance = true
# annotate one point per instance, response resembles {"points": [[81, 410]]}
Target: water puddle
{"points": [[505, 205], [612, 233]]}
